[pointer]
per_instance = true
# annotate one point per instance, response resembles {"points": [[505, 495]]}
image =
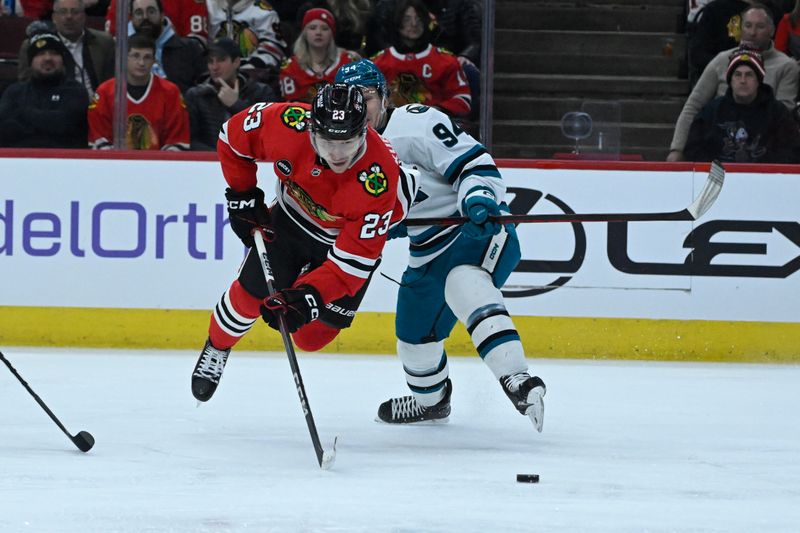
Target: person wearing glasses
{"points": [[157, 116], [178, 59]]}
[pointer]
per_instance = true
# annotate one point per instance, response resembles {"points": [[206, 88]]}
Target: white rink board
{"points": [[150, 234]]}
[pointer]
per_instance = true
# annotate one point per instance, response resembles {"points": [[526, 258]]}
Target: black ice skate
{"points": [[208, 371], [406, 410], [526, 393]]}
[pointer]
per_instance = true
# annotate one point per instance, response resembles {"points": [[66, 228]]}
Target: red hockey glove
{"points": [[247, 212], [299, 304]]}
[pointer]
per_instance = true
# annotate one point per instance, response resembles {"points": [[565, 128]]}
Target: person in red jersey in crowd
{"points": [[316, 57], [157, 116], [339, 191], [416, 71]]}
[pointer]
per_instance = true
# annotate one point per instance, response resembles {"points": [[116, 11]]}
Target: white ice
{"points": [[626, 447]]}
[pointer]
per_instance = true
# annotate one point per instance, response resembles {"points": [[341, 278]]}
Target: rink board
{"points": [[127, 252]]}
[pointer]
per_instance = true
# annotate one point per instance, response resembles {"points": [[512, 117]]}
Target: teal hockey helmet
{"points": [[363, 73]]}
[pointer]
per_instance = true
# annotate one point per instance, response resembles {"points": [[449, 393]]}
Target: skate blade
{"points": [[432, 422], [536, 410]]}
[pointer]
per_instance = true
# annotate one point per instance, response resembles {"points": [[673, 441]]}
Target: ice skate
{"points": [[526, 393], [406, 409], [208, 371]]}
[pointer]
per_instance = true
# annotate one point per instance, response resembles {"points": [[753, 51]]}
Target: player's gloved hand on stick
{"points": [[397, 232], [478, 205], [299, 304], [248, 212]]}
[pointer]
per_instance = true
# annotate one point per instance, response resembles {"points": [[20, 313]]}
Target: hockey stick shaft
{"points": [[701, 204], [83, 440], [290, 353]]}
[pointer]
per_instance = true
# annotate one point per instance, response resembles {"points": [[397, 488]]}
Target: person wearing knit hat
{"points": [[749, 57], [322, 15], [745, 75], [747, 124], [316, 57], [49, 109], [47, 41]]}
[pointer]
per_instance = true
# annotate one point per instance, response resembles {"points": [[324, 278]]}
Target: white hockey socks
{"points": [[479, 305], [426, 370]]}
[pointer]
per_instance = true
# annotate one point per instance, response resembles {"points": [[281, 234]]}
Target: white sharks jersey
{"points": [[450, 162]]}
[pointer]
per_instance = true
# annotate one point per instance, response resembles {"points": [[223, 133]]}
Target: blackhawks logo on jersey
{"points": [[295, 118], [408, 89], [307, 203], [374, 180]]}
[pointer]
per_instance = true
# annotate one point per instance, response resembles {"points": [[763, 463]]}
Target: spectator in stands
{"points": [[787, 36], [42, 9], [178, 59], [157, 117], [92, 51], [188, 17], [415, 71], [746, 124], [782, 74], [352, 18], [49, 110], [459, 27], [223, 94], [255, 27], [316, 57], [717, 27]]}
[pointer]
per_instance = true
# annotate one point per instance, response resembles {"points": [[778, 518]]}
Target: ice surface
{"points": [[627, 447]]}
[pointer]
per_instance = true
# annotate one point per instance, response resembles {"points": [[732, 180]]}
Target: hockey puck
{"points": [[527, 478]]}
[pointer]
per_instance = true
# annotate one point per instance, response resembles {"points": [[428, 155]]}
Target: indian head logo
{"points": [[307, 203], [408, 89], [294, 117], [374, 180], [140, 135]]}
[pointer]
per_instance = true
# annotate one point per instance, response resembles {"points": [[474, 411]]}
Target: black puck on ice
{"points": [[528, 478]]}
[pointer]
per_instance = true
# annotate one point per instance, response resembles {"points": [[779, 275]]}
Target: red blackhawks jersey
{"points": [[432, 77], [188, 17], [300, 84], [156, 121], [351, 212]]}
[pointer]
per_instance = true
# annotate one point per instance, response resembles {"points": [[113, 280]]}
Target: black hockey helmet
{"points": [[338, 112]]}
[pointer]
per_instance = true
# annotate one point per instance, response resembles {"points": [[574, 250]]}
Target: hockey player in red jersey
{"points": [[339, 191]]}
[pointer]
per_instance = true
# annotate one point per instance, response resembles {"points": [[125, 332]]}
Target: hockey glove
{"points": [[478, 205], [299, 304], [247, 213], [397, 232]]}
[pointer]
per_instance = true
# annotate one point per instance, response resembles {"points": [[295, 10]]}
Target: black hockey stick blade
{"points": [[325, 458], [698, 208], [83, 440]]}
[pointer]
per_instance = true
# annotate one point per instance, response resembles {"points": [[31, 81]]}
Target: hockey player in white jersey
{"points": [[454, 271]]}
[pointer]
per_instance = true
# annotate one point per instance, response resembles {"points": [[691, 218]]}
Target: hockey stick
{"points": [[83, 440], [698, 208], [325, 458]]}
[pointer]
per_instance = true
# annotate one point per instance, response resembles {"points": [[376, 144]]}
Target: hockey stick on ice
{"points": [[83, 440], [325, 458], [702, 203]]}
